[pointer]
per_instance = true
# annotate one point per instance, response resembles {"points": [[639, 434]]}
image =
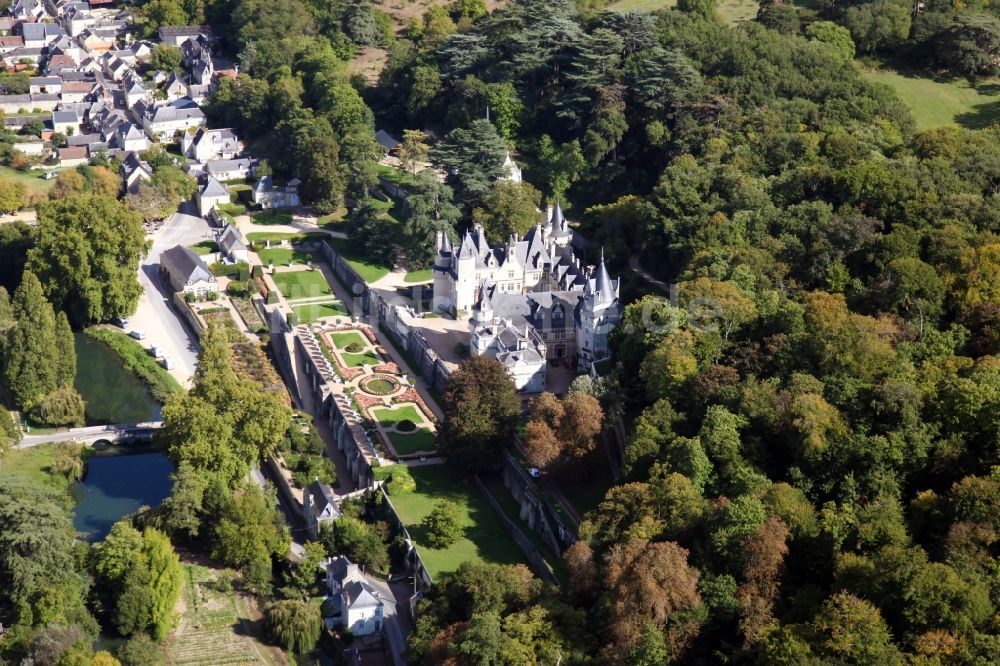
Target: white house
{"points": [[65, 122], [186, 272], [210, 195], [319, 505], [206, 145], [267, 195], [356, 605], [163, 122], [238, 169], [319, 496]]}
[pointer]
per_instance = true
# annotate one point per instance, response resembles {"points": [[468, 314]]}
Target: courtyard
{"points": [[381, 392]]}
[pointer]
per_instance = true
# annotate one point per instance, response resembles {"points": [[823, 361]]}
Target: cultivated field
{"points": [[218, 627]]}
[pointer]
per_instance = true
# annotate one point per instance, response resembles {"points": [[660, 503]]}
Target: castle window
{"points": [[560, 335]]}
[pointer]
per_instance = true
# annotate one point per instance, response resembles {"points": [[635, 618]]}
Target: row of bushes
{"points": [[138, 361]]}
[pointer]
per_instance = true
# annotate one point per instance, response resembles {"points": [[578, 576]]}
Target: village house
{"points": [[267, 195], [211, 194], [206, 145], [134, 171], [65, 122], [176, 35], [225, 170], [39, 35], [186, 272], [162, 123], [319, 506], [73, 156], [45, 85], [9, 43], [354, 603]]}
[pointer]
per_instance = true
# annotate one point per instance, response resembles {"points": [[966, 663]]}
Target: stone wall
{"points": [[535, 559], [392, 321], [535, 511], [415, 564], [347, 275]]}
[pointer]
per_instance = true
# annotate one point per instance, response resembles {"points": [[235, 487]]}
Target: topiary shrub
{"points": [[406, 425], [353, 348]]}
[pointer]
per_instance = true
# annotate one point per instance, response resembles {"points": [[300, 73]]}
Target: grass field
{"points": [[204, 247], [33, 465], [390, 416], [369, 272], [342, 340], [217, 626], [32, 179], [942, 102], [419, 276], [310, 312], [302, 284], [269, 217], [334, 220], [731, 11], [417, 441], [484, 538], [358, 360], [262, 236], [282, 256]]}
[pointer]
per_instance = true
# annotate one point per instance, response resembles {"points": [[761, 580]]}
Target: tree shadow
{"points": [[981, 116]]}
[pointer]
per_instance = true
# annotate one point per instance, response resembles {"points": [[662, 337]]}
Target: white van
{"points": [[138, 335], [155, 351], [168, 363]]}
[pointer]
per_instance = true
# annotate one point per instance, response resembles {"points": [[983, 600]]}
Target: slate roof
{"points": [[216, 167], [386, 140], [231, 240], [213, 188], [321, 495], [360, 595], [184, 264]]}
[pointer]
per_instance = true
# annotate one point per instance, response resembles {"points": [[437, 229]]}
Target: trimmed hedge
{"points": [[138, 361], [397, 477]]}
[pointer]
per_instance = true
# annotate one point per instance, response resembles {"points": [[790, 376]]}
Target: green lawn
{"points": [[484, 539], [204, 247], [358, 360], [937, 102], [419, 440], [334, 220], [302, 284], [389, 416], [282, 256], [272, 216], [33, 465], [273, 236], [310, 312], [419, 276], [731, 11], [342, 340], [513, 510], [368, 271], [32, 179]]}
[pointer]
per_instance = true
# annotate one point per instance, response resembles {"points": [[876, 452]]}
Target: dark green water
{"points": [[112, 393], [117, 485]]}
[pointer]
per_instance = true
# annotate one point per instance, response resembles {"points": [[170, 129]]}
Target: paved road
{"points": [[396, 619], [155, 316], [86, 433]]}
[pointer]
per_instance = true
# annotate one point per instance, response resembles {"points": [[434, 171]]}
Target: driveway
{"points": [[396, 618], [155, 316]]}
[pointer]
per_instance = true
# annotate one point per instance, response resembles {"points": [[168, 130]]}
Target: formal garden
{"points": [[381, 392]]}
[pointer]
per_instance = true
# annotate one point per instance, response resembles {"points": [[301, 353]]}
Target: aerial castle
{"points": [[530, 299]]}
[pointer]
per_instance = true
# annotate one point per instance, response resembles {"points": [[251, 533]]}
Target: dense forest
{"points": [[814, 413]]}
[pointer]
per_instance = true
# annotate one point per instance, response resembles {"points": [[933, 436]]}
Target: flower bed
{"points": [[387, 368], [378, 385], [411, 395], [365, 401]]}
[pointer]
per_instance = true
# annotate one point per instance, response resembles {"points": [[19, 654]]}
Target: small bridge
{"points": [[89, 435]]}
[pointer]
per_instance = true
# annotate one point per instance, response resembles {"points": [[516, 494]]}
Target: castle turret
{"points": [[600, 312]]}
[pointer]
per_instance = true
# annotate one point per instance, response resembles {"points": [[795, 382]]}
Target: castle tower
{"points": [[443, 281], [600, 312]]}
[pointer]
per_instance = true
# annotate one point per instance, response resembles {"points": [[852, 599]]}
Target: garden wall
{"points": [[346, 274], [429, 365], [535, 558], [535, 511], [413, 561]]}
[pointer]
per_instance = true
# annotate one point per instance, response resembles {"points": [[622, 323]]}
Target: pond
{"points": [[117, 485], [112, 393]]}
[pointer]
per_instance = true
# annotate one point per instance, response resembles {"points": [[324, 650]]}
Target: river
{"points": [[112, 393]]}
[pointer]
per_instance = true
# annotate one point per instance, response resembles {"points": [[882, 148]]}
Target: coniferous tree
{"points": [[32, 366], [66, 350]]}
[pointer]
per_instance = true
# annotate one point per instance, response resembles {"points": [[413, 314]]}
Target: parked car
{"points": [[122, 322], [155, 351], [138, 335], [534, 472], [168, 362]]}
